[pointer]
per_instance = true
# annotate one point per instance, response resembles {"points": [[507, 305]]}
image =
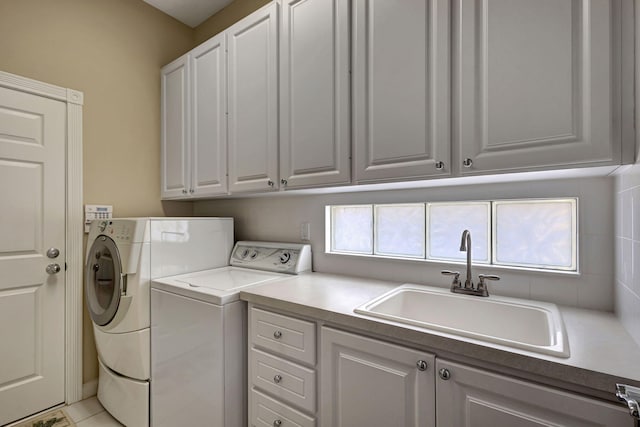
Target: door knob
{"points": [[53, 268], [53, 253]]}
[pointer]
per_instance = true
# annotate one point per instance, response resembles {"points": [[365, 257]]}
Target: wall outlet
{"points": [[305, 232]]}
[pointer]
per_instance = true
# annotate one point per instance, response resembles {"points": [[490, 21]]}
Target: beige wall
{"points": [[226, 17], [111, 50]]}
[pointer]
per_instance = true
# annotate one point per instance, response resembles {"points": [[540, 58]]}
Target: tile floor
{"points": [[89, 413]]}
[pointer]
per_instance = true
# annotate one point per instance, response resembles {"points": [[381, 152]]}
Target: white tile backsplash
{"points": [[627, 259], [279, 219]]}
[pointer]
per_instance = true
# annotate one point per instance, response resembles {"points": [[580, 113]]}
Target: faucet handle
{"points": [[451, 273], [482, 286], [484, 277], [455, 274]]}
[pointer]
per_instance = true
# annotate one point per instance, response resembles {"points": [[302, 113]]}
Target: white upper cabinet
{"points": [[208, 115], [535, 84], [315, 142], [401, 89], [252, 45], [174, 146], [194, 124]]}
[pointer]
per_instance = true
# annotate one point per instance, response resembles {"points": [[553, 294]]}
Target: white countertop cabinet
{"points": [[315, 139], [488, 384], [401, 90], [536, 84]]}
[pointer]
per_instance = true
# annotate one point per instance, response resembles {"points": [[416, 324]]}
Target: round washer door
{"points": [[103, 280]]}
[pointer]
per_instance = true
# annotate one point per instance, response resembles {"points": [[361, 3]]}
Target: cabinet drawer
{"points": [[288, 381], [265, 412], [284, 335]]}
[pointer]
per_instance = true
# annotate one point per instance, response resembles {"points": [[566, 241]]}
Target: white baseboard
{"points": [[89, 389]]}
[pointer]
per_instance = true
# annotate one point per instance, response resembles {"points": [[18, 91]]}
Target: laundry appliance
{"points": [[123, 256], [199, 335]]}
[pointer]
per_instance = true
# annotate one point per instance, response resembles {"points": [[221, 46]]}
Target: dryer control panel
{"points": [[291, 258]]}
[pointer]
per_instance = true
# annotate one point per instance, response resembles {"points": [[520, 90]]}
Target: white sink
{"points": [[519, 323]]}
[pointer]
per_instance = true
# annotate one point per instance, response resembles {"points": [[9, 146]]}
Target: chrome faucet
{"points": [[468, 288], [465, 245]]}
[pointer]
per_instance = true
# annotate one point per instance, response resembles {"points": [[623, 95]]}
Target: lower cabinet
{"points": [[474, 398], [366, 382], [281, 371]]}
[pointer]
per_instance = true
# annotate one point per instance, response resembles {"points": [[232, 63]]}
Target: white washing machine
{"points": [[199, 335], [123, 256]]}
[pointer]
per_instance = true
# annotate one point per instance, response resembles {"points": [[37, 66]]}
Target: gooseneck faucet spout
{"points": [[465, 245]]}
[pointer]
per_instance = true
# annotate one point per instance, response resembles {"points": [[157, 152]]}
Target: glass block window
{"points": [[399, 230], [539, 234], [536, 233], [352, 229], [447, 221]]}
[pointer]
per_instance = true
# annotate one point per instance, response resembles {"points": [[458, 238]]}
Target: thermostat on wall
{"points": [[92, 212]]}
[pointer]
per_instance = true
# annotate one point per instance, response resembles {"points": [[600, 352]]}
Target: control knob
{"points": [[285, 257]]}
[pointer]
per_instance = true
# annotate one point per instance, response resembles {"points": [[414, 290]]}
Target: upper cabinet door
{"points": [[253, 101], [401, 89], [175, 129], [315, 143], [209, 120], [534, 84]]}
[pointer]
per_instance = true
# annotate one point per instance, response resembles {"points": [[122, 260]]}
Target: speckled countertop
{"points": [[602, 352]]}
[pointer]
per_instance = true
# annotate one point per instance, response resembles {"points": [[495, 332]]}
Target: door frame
{"points": [[73, 223]]}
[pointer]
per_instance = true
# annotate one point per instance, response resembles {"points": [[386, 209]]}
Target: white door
{"points": [[253, 101], [401, 89], [366, 382], [315, 140], [32, 220]]}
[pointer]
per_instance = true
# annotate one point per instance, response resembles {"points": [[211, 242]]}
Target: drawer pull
{"points": [[277, 423], [277, 335], [277, 379]]}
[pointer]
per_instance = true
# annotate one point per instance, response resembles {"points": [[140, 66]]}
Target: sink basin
{"points": [[512, 322]]}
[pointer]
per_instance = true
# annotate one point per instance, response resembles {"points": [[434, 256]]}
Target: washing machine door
{"points": [[103, 284]]}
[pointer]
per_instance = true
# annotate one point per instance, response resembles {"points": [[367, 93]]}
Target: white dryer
{"points": [[123, 256]]}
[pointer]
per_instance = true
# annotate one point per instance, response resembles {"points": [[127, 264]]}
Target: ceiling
{"points": [[189, 12]]}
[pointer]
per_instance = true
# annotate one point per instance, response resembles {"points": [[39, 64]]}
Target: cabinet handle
{"points": [[467, 162], [270, 183], [277, 335], [191, 190], [184, 191], [439, 166], [283, 182], [422, 365], [277, 379], [277, 423], [444, 374]]}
